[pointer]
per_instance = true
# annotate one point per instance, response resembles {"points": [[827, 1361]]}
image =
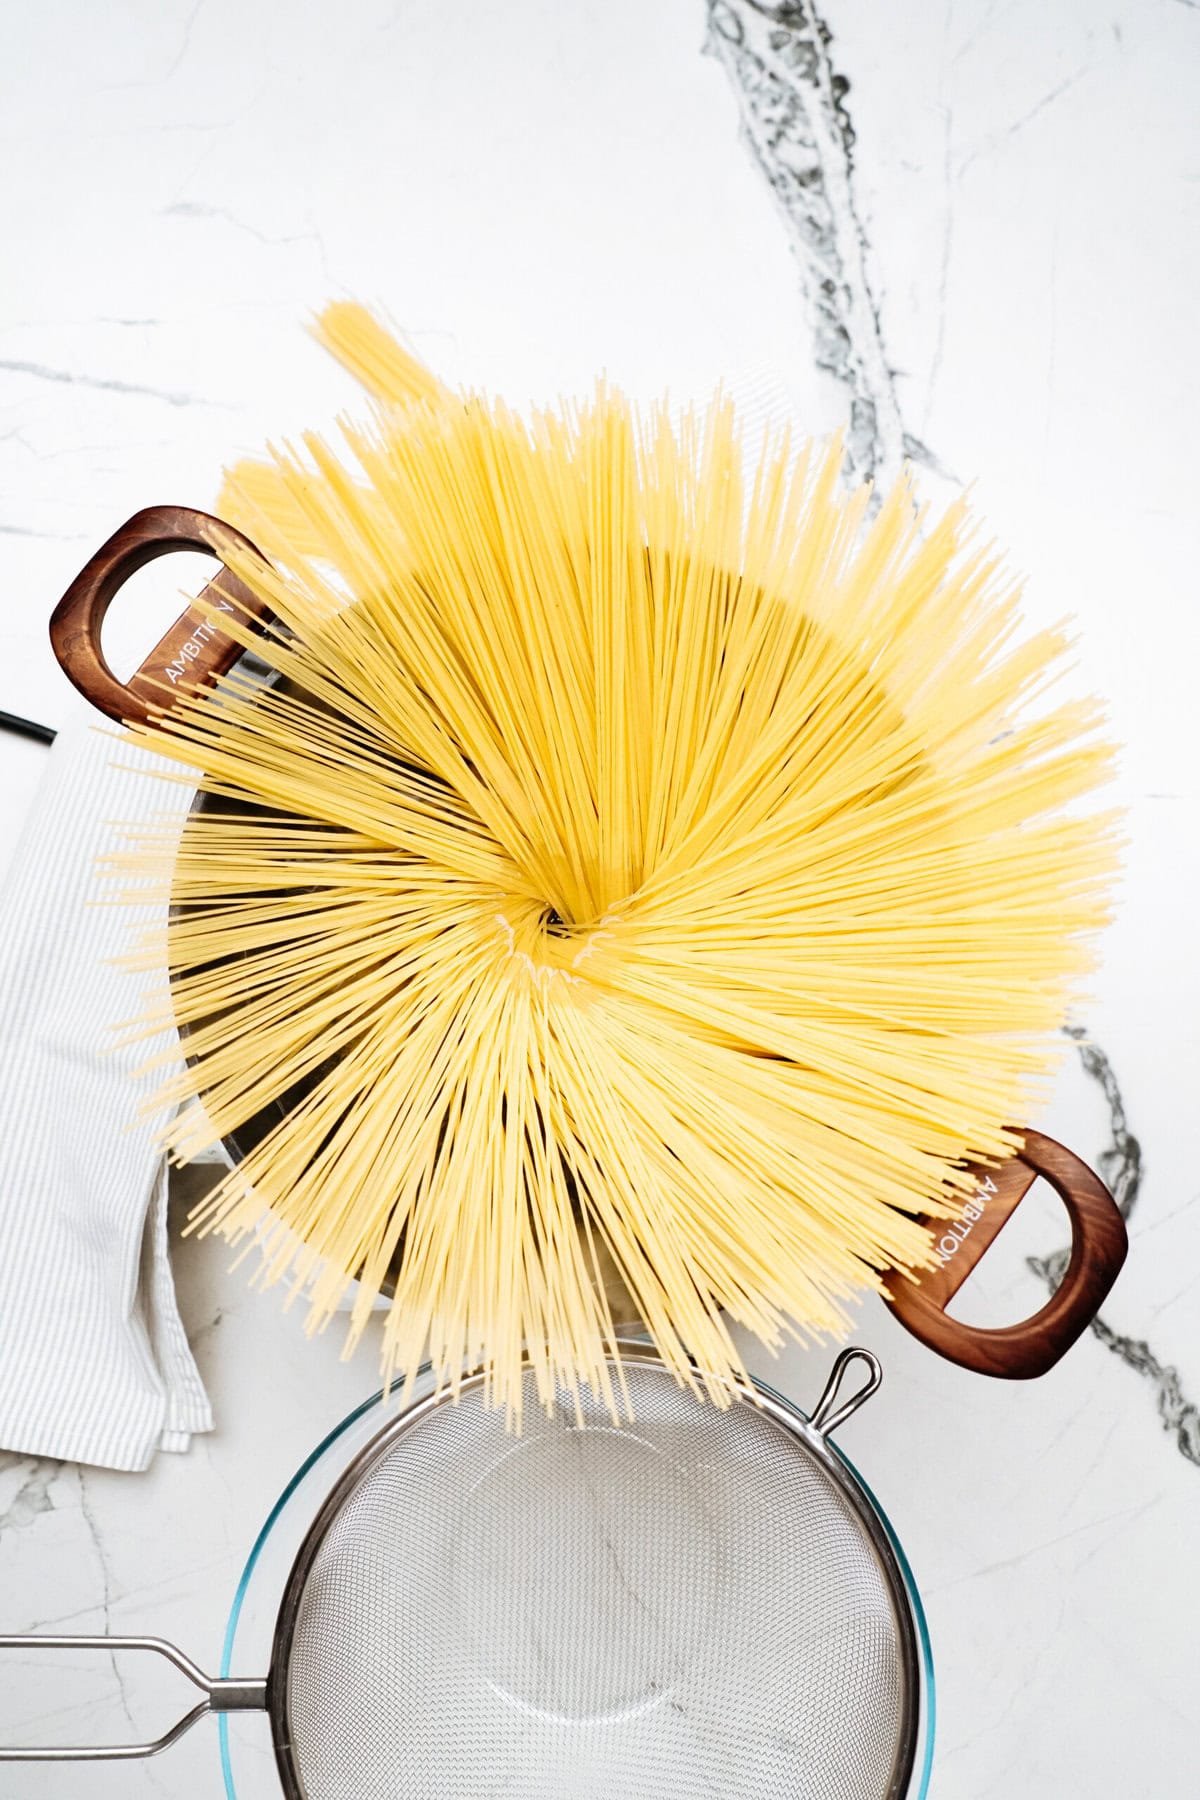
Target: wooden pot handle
{"points": [[193, 652], [1098, 1246]]}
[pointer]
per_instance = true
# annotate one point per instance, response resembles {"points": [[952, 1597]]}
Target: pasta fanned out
{"points": [[639, 859]]}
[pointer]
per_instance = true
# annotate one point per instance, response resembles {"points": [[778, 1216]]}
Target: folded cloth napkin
{"points": [[94, 1361]]}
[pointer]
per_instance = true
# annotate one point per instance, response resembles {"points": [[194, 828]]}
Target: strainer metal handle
{"points": [[220, 1696]]}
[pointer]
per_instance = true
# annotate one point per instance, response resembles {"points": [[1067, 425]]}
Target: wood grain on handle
{"points": [[1098, 1247], [192, 652]]}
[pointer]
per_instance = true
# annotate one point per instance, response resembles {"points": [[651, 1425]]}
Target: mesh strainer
{"points": [[704, 1602]]}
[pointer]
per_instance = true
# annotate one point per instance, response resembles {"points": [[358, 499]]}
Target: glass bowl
{"points": [[247, 1756]]}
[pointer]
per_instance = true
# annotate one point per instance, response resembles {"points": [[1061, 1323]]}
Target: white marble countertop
{"points": [[991, 257]]}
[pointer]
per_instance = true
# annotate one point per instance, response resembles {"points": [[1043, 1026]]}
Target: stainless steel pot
{"points": [[196, 652]]}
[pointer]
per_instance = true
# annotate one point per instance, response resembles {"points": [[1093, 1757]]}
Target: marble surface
{"points": [[968, 231]]}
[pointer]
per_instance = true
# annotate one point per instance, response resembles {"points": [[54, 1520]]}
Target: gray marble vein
{"points": [[796, 122], [94, 1532], [1121, 1159], [41, 372], [186, 41], [32, 1496], [797, 126], [195, 209], [1120, 1163], [1179, 1415]]}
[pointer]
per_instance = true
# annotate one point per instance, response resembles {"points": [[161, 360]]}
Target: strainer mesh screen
{"points": [[686, 1606]]}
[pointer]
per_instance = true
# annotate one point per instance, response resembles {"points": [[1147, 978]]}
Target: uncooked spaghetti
{"points": [[633, 858]]}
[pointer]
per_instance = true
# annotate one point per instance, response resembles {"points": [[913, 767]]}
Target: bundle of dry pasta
{"points": [[635, 857]]}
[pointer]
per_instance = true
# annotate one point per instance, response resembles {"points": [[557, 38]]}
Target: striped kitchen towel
{"points": [[94, 1361]]}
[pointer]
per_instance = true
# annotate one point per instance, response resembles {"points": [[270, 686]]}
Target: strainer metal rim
{"points": [[905, 1603]]}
